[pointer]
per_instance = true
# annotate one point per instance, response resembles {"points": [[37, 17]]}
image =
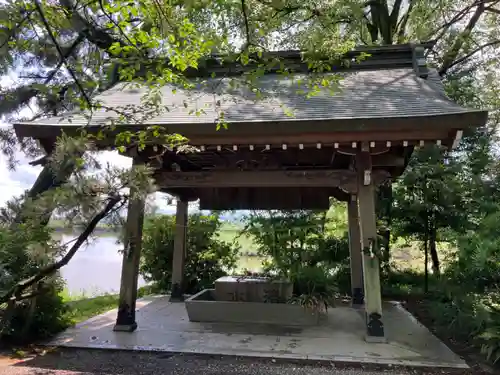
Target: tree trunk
{"points": [[426, 257], [434, 255], [48, 179], [31, 312]]}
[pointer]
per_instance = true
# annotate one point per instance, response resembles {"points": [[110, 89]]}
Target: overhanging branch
{"points": [[20, 287], [24, 94], [473, 52], [452, 54], [492, 10], [61, 53], [245, 19], [93, 34]]}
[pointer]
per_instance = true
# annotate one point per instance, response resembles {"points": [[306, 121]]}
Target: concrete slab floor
{"points": [[164, 326]]}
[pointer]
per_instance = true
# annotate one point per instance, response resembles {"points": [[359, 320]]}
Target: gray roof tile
{"points": [[362, 94]]}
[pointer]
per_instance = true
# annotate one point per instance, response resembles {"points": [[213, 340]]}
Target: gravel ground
{"points": [[106, 362]]}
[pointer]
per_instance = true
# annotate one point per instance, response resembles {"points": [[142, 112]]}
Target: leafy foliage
{"points": [[20, 257], [314, 288], [303, 247], [478, 256], [491, 337], [292, 240], [38, 318], [207, 257]]}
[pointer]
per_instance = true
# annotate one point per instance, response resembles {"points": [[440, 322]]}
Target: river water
{"points": [[96, 267]]}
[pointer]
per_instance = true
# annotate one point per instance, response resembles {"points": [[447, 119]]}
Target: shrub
{"points": [[462, 315], [22, 253], [313, 287], [46, 319], [207, 257], [490, 337], [292, 240], [400, 284]]}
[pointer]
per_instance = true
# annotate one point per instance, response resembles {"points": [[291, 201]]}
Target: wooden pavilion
{"points": [[341, 145]]}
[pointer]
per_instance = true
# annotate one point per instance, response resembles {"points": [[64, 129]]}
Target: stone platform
{"points": [[164, 326]]}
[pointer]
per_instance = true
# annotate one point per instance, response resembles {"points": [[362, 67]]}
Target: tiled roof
{"points": [[381, 93]]}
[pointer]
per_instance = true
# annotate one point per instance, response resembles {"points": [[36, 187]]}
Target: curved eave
{"points": [[199, 133]]}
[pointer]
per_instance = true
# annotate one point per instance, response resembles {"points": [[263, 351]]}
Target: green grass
{"points": [[230, 232], [404, 255], [81, 308]]}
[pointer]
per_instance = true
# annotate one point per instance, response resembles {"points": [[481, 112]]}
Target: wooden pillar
{"points": [[357, 292], [179, 258], [125, 320], [368, 231]]}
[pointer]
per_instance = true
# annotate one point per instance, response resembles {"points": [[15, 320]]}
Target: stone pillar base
{"points": [[176, 295], [125, 327], [374, 328]]}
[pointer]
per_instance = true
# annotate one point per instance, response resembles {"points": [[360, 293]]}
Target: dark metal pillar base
{"points": [[358, 298], [375, 328], [177, 295], [125, 328], [125, 320]]}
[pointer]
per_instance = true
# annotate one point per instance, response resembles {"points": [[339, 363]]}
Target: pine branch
{"points": [[61, 54], [93, 34], [23, 95], [473, 52], [13, 31], [400, 27], [247, 27], [492, 10], [30, 295], [441, 30]]}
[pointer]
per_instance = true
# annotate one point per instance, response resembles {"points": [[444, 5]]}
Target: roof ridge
{"points": [[372, 57]]}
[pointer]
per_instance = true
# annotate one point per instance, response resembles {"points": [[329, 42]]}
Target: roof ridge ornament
{"points": [[419, 61]]}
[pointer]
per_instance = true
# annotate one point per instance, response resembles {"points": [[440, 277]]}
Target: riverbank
{"points": [[82, 307]]}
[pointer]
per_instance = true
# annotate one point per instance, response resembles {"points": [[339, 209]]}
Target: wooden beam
{"points": [[387, 160], [189, 195], [343, 139], [267, 198], [344, 179], [48, 144]]}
